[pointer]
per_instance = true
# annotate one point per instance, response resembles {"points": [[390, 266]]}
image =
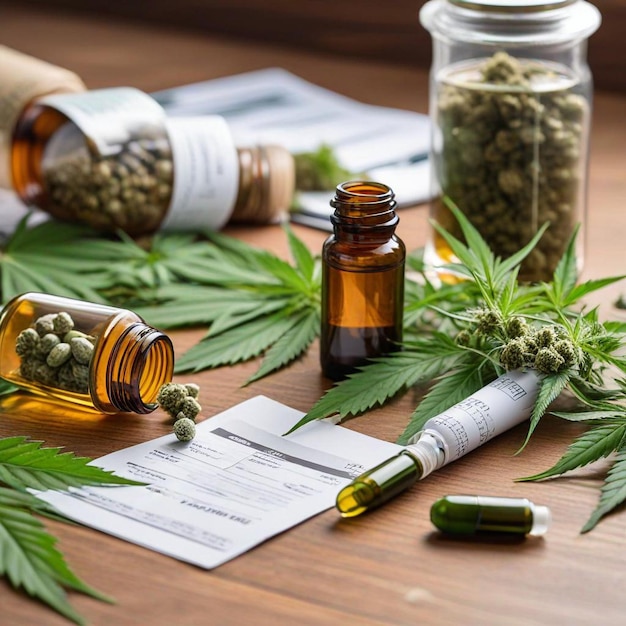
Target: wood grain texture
{"points": [[368, 29], [388, 567]]}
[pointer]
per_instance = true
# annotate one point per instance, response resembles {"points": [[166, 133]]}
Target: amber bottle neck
{"points": [[364, 211], [140, 362]]}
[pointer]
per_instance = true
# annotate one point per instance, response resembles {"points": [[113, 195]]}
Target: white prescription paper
{"points": [[238, 483]]}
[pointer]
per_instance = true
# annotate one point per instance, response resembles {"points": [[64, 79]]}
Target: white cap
{"points": [[541, 519], [427, 448]]}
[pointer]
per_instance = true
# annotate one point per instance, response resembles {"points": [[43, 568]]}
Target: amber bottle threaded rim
{"points": [[140, 362], [364, 205]]}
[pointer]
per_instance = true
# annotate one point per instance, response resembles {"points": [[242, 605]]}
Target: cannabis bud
{"points": [[53, 353], [516, 327], [511, 156], [514, 354], [541, 349], [487, 321], [548, 361], [463, 338], [180, 401], [184, 429]]}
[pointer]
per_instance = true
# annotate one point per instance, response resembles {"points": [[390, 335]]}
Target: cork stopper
{"points": [[24, 78], [267, 184], [282, 181]]}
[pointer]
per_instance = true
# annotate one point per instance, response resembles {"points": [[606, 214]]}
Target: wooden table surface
{"points": [[389, 566]]}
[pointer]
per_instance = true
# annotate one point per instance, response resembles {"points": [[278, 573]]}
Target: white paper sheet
{"points": [[238, 483]]}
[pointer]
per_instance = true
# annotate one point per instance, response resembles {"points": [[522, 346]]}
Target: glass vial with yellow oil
{"points": [[476, 515], [113, 159], [362, 279], [94, 355]]}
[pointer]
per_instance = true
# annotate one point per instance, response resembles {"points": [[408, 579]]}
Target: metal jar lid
{"points": [[514, 6], [512, 23]]}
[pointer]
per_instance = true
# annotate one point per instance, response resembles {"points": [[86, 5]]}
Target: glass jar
{"points": [[362, 279], [94, 355], [510, 105], [112, 159]]}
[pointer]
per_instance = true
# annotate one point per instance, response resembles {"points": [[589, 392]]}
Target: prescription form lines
{"points": [[232, 487]]}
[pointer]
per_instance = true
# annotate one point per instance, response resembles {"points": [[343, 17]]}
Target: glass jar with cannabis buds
{"points": [[510, 104], [94, 355]]}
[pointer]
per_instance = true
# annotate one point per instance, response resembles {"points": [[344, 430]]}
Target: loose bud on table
{"points": [[181, 402]]}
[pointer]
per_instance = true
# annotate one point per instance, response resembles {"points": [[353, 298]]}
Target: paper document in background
{"points": [[275, 106], [238, 483]]}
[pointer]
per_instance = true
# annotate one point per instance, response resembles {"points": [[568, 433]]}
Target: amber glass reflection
{"points": [[362, 280]]}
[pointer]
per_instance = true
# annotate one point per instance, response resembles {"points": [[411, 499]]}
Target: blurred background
{"points": [[380, 31]]}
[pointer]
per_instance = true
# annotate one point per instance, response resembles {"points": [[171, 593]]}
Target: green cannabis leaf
{"points": [[485, 323], [75, 261], [26, 465], [320, 170], [49, 258], [606, 437], [253, 302], [28, 557], [419, 363]]}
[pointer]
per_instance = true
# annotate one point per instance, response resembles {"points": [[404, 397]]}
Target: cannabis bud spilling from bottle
{"points": [[97, 356], [112, 159], [510, 104]]}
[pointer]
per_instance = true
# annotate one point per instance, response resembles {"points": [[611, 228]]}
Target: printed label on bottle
{"points": [[206, 173], [110, 117]]}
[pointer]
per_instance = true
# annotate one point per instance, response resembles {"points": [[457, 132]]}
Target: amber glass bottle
{"points": [[94, 355], [362, 279], [112, 159]]}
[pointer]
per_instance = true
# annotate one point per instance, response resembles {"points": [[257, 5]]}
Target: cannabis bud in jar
{"points": [[91, 354], [123, 190], [511, 157], [112, 159], [54, 354], [510, 126]]}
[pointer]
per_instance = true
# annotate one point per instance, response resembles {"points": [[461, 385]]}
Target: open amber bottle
{"points": [[91, 354], [362, 279]]}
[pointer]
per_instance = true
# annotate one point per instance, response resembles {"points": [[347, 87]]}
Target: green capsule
{"points": [[472, 515]]}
